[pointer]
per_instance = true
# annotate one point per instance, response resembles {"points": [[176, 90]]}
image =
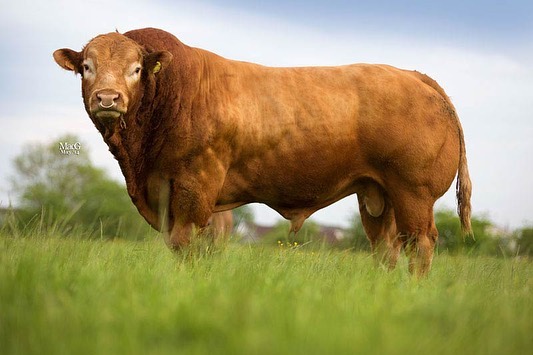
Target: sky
{"points": [[481, 52]]}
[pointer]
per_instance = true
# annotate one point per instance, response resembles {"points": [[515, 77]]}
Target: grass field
{"points": [[68, 296]]}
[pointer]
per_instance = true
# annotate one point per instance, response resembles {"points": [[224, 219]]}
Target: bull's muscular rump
{"points": [[207, 134]]}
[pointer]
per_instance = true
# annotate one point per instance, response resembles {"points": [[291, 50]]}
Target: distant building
{"points": [[255, 232], [333, 234]]}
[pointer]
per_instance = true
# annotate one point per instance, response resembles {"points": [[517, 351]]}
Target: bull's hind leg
{"points": [[377, 217], [416, 227]]}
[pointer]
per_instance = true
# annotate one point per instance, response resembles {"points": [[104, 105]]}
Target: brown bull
{"points": [[195, 134]]}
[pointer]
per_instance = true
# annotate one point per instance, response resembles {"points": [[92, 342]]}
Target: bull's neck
{"points": [[137, 141], [133, 163]]}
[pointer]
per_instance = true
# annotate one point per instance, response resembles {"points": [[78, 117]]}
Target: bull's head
{"points": [[113, 68]]}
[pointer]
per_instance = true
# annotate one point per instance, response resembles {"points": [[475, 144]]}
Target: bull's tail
{"points": [[463, 187]]}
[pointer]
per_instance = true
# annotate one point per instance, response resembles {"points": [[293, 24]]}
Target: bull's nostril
{"points": [[103, 97]]}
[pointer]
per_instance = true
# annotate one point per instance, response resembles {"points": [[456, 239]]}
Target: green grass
{"points": [[68, 296]]}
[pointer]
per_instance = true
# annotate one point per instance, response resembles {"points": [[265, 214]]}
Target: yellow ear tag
{"points": [[157, 67]]}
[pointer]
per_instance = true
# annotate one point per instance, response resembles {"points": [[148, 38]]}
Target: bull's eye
{"points": [[133, 73], [87, 69]]}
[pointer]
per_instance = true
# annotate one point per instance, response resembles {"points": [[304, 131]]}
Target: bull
{"points": [[197, 134]]}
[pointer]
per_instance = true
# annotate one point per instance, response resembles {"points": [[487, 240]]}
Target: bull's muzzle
{"points": [[107, 105], [107, 100]]}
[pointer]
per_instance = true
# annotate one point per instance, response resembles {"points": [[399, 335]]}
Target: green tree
{"points": [[357, 237], [485, 240], [524, 241], [58, 182], [243, 215]]}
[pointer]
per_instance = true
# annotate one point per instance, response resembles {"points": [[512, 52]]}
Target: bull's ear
{"points": [[68, 59], [157, 61]]}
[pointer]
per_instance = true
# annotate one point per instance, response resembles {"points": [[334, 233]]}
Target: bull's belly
{"points": [[299, 200], [305, 194], [290, 190]]}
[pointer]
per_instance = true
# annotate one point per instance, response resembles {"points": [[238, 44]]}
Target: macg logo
{"points": [[66, 148]]}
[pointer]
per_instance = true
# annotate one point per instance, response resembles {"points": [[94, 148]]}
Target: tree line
{"points": [[58, 189]]}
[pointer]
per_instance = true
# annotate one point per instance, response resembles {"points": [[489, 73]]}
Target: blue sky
{"points": [[496, 18], [481, 52]]}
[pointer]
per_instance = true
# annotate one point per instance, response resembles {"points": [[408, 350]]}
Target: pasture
{"points": [[77, 296]]}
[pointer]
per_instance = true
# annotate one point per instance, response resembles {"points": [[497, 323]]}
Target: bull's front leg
{"points": [[190, 209], [217, 229], [180, 235], [187, 198], [186, 223]]}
